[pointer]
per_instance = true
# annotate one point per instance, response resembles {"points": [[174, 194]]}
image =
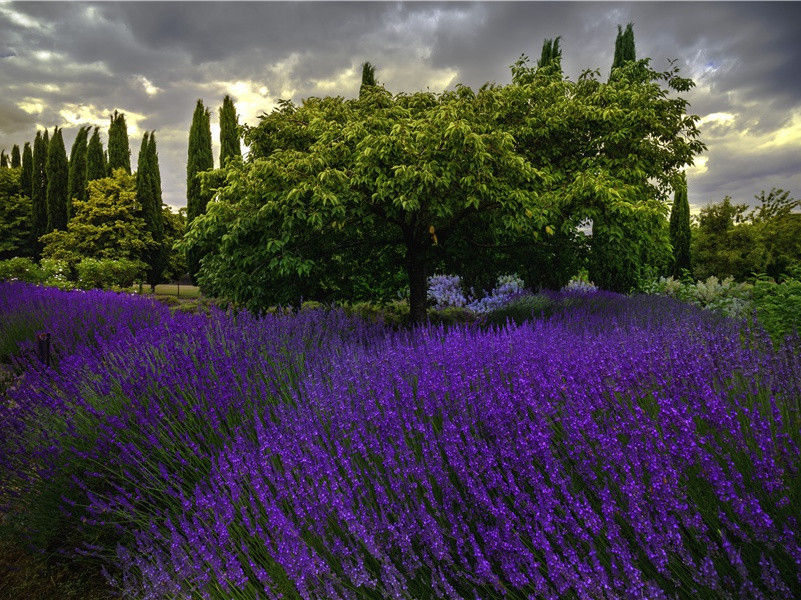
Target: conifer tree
{"points": [[95, 159], [119, 153], [26, 177], [3, 159], [77, 173], [199, 159], [680, 228], [148, 191], [368, 77], [229, 134], [39, 186], [624, 47], [57, 183], [551, 54], [15, 158]]}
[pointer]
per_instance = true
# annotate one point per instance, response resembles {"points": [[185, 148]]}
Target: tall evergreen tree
{"points": [[551, 54], [148, 191], [199, 159], [57, 183], [680, 228], [368, 77], [39, 187], [229, 134], [95, 159], [624, 47], [26, 177], [15, 158], [3, 159], [119, 153], [77, 174]]}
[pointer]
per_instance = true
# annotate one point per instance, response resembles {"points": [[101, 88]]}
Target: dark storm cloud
{"points": [[72, 63]]}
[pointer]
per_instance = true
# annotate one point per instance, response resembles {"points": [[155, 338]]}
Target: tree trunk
{"points": [[416, 271]]}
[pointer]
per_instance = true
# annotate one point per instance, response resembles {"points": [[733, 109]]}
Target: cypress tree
{"points": [[77, 175], [15, 158], [57, 183], [680, 228], [26, 177], [368, 77], [119, 154], [199, 159], [3, 159], [39, 186], [229, 135], [95, 160], [551, 54], [148, 190], [624, 47]]}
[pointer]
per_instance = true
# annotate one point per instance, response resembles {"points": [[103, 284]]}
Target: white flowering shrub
{"points": [[445, 291], [724, 296], [577, 284]]}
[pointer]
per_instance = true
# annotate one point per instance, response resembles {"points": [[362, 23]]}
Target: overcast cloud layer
{"points": [[72, 64]]}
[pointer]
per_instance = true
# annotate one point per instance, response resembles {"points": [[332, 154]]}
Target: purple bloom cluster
{"points": [[632, 448]]}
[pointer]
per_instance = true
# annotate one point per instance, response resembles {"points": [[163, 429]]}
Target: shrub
{"points": [[778, 306], [22, 269], [105, 272], [519, 310]]}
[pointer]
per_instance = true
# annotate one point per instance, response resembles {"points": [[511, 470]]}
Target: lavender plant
{"points": [[622, 448]]}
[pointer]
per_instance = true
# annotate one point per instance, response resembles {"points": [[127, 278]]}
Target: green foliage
{"points": [[148, 193], [108, 272], [199, 159], [680, 229], [26, 175], [725, 296], [109, 224], [624, 47], [39, 186], [3, 159], [229, 131], [57, 183], [15, 157], [731, 240], [15, 216], [119, 153], [95, 158], [21, 268], [77, 169], [778, 306], [174, 229], [551, 54]]}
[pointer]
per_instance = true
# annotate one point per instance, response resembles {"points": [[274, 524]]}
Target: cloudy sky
{"points": [[71, 64]]}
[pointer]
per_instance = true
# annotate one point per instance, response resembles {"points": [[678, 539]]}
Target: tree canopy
{"points": [[119, 153], [382, 172], [57, 168]]}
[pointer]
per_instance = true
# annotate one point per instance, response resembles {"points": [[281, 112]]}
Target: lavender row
{"points": [[626, 447]]}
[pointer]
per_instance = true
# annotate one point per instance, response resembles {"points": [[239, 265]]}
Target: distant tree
{"points": [[148, 193], [15, 216], [57, 183], [15, 157], [39, 186], [680, 228], [95, 159], [78, 166], [551, 54], [229, 132], [119, 153], [368, 77], [3, 159], [108, 224], [26, 176], [199, 159], [624, 47]]}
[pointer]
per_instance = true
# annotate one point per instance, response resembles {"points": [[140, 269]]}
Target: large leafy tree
{"points": [[109, 224], [15, 157], [680, 228], [57, 183], [229, 131], [199, 159], [95, 158], [119, 153], [39, 185], [15, 216], [77, 171]]}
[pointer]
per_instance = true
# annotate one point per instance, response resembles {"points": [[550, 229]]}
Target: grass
{"points": [[170, 289]]}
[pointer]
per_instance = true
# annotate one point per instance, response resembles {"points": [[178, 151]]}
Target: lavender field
{"points": [[624, 447]]}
